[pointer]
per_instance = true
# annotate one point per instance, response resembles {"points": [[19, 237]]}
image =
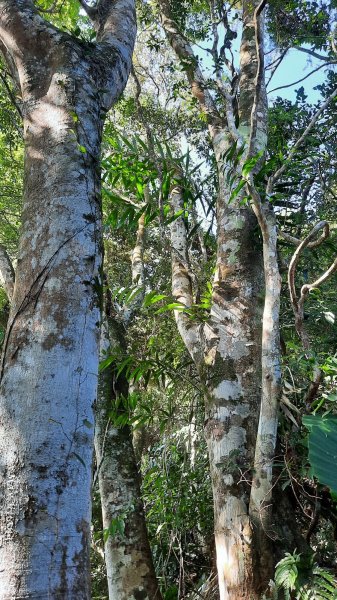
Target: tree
{"points": [[129, 564], [50, 353], [227, 349]]}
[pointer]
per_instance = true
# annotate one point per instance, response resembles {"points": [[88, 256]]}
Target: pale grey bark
{"points": [[261, 506], [222, 349], [50, 355], [261, 502]]}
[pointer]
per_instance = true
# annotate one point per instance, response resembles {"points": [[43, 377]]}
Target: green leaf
{"points": [[237, 190], [74, 116], [249, 165], [323, 448], [153, 298], [171, 306], [105, 363]]}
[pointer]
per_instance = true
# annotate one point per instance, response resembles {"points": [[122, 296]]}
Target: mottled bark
{"points": [[230, 351], [261, 499], [232, 368], [130, 570], [182, 281], [231, 340], [50, 355], [226, 353], [260, 505], [253, 96]]}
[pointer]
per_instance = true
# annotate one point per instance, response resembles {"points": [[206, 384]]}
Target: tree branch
{"points": [[297, 255], [181, 277], [282, 87], [21, 31], [297, 242], [259, 106], [90, 10], [184, 51], [312, 53], [274, 178], [137, 273], [7, 274], [298, 303]]}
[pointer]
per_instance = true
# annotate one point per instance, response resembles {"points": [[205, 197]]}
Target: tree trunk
{"points": [[130, 570], [226, 351], [50, 356], [232, 375]]}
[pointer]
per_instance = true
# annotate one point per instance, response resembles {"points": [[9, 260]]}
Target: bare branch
{"points": [[312, 53], [182, 289], [275, 65], [7, 274], [306, 289], [258, 111], [298, 304], [282, 87], [314, 244], [297, 255]]}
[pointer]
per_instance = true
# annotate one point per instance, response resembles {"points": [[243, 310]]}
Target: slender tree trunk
{"points": [[130, 570], [128, 557], [50, 355]]}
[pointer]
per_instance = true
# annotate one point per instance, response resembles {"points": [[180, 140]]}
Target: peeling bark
{"points": [[50, 356]]}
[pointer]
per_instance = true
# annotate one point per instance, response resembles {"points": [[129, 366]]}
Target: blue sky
{"points": [[293, 67]]}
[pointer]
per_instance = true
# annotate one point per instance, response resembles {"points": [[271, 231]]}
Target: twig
{"points": [[312, 53], [315, 243], [282, 87]]}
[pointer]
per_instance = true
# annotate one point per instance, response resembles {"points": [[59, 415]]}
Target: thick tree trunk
{"points": [[50, 355], [232, 375], [226, 351], [230, 342], [50, 361], [130, 570]]}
